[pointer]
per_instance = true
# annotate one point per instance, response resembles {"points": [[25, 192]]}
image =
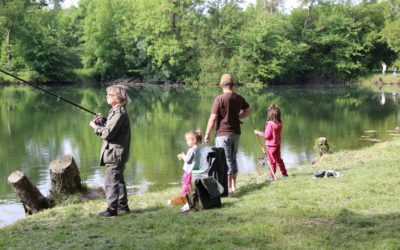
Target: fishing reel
{"points": [[262, 160], [100, 121]]}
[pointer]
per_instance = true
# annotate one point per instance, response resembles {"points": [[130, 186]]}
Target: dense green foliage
{"points": [[196, 40]]}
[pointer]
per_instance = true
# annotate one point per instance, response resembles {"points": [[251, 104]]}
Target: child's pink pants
{"points": [[274, 158], [186, 181]]}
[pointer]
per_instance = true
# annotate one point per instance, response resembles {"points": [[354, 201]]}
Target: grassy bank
{"points": [[358, 210]]}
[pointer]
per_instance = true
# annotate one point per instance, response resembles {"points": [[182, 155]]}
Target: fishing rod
{"points": [[100, 120], [262, 148], [259, 140]]}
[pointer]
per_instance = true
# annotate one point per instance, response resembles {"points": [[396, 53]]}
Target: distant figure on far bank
{"points": [[272, 135], [384, 67], [395, 71]]}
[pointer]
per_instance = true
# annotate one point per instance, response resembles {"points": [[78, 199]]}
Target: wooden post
{"points": [[64, 175], [322, 146], [31, 198]]}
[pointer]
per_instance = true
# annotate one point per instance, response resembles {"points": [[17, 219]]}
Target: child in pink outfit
{"points": [[272, 135], [191, 161]]}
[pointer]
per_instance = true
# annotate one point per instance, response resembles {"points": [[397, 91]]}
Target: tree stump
{"points": [[31, 198], [64, 175], [322, 146]]}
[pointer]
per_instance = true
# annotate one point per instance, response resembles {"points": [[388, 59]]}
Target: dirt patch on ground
{"points": [[93, 194]]}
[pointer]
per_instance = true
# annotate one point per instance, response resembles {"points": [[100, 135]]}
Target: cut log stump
{"points": [[31, 198], [322, 146], [64, 175]]}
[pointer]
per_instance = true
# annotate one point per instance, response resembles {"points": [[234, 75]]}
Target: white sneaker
{"points": [[185, 208]]}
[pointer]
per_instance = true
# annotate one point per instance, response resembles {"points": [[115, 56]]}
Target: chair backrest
{"points": [[205, 193], [217, 167]]}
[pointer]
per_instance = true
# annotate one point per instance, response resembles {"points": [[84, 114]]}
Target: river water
{"points": [[36, 128]]}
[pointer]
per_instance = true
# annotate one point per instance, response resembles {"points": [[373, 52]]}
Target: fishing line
{"points": [[97, 121], [259, 140], [48, 92]]}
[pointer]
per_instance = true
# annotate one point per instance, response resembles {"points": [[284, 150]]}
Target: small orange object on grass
{"points": [[177, 201]]}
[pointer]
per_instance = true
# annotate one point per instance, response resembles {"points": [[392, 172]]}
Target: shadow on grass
{"points": [[348, 229], [146, 210], [250, 188]]}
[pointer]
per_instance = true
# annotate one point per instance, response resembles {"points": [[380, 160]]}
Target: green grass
{"points": [[358, 210]]}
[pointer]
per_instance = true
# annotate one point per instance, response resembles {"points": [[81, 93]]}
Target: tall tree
{"points": [[270, 6], [12, 23], [103, 53], [336, 34], [391, 30], [43, 49], [219, 39], [160, 23], [267, 54]]}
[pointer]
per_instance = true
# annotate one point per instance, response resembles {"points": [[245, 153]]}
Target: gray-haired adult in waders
{"points": [[116, 135], [226, 113]]}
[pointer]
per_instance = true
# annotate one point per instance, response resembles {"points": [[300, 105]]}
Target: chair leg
{"points": [[188, 201]]}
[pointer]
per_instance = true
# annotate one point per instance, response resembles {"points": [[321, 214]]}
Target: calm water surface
{"points": [[36, 128]]}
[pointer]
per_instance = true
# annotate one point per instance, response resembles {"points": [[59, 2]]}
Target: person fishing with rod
{"points": [[272, 135], [116, 135], [263, 157]]}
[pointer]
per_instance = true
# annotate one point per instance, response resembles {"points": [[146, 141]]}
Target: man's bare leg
{"points": [[233, 185], [229, 183]]}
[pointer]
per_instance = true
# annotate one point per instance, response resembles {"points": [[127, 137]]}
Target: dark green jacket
{"points": [[117, 137]]}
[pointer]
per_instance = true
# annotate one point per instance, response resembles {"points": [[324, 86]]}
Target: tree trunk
{"points": [[308, 17], [64, 175], [31, 198], [8, 50]]}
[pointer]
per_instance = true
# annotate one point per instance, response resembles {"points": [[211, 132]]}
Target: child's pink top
{"points": [[272, 133]]}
